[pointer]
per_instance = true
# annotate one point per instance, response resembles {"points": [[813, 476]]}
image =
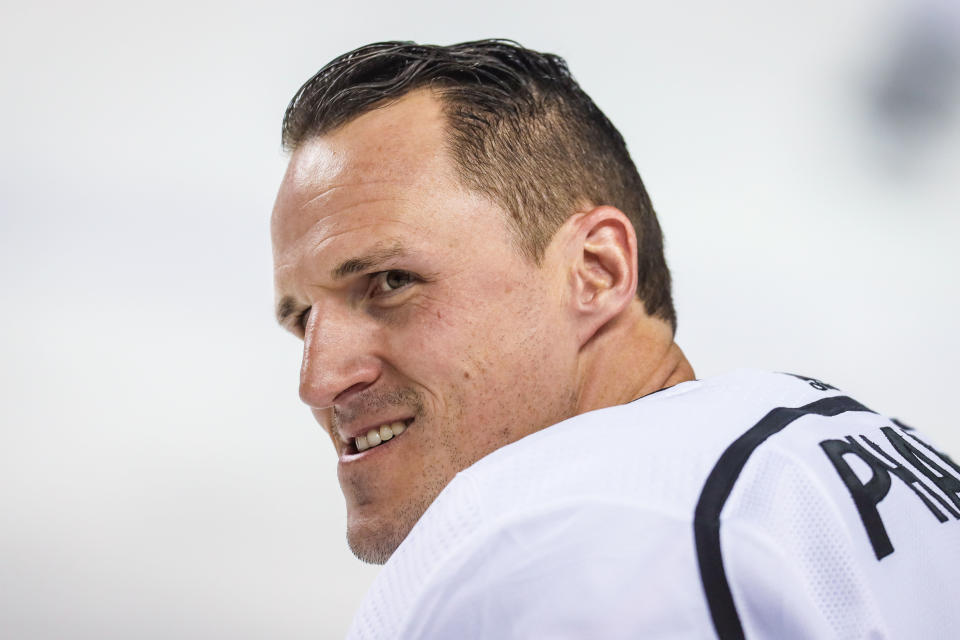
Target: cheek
{"points": [[433, 344], [498, 343]]}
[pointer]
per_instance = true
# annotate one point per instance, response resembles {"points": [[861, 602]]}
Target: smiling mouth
{"points": [[378, 436]]}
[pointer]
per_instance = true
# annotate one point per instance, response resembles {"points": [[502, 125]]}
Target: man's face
{"points": [[416, 311]]}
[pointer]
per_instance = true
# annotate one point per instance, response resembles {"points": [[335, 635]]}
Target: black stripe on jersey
{"points": [[716, 490]]}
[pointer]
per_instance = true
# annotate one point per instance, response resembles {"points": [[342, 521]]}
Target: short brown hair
{"points": [[522, 132]]}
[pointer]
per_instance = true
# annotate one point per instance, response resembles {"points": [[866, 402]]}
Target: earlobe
{"points": [[604, 277]]}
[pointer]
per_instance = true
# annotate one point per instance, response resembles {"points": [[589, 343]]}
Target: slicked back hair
{"points": [[520, 130]]}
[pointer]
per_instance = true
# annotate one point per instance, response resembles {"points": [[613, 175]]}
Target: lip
{"points": [[349, 454]]}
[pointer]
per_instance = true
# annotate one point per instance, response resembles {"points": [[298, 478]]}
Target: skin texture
{"points": [[414, 303]]}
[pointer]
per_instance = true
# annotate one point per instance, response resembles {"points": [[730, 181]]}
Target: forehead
{"points": [[382, 169]]}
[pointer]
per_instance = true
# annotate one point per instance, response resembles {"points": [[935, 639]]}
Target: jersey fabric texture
{"points": [[754, 504]]}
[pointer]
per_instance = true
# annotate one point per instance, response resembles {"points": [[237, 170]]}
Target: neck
{"points": [[632, 356]]}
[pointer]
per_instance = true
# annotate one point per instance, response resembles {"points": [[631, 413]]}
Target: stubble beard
{"points": [[376, 547]]}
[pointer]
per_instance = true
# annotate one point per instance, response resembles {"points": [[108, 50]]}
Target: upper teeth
{"points": [[376, 436]]}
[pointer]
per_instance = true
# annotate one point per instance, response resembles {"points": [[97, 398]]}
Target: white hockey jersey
{"points": [[756, 505]]}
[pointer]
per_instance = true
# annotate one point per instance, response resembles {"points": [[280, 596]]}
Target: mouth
{"points": [[377, 437]]}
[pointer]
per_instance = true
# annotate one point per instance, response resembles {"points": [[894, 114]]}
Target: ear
{"points": [[604, 274]]}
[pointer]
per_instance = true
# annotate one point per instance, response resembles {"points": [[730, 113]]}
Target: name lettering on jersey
{"points": [[819, 385], [907, 463]]}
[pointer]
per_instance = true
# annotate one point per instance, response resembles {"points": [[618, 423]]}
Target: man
{"points": [[469, 255]]}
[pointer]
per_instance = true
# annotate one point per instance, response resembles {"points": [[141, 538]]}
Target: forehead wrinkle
{"points": [[329, 191], [316, 230], [360, 203], [314, 246]]}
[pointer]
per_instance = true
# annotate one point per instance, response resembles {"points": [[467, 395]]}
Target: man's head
{"points": [[519, 129], [450, 242]]}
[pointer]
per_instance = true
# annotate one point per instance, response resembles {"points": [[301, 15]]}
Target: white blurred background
{"points": [[158, 476]]}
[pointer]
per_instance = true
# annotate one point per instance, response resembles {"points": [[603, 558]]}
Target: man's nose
{"points": [[337, 359]]}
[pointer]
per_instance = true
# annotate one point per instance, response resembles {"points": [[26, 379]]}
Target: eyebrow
{"points": [[288, 305], [286, 308], [365, 262]]}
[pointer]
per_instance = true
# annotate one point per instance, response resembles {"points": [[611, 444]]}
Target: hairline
{"points": [[435, 89]]}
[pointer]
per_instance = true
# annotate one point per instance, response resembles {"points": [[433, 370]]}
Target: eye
{"points": [[390, 281]]}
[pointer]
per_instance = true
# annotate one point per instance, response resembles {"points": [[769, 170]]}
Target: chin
{"points": [[376, 548], [371, 553], [374, 534], [374, 545]]}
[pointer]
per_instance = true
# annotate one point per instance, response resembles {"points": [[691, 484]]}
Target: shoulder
{"points": [[597, 568], [829, 510], [739, 498], [657, 452]]}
